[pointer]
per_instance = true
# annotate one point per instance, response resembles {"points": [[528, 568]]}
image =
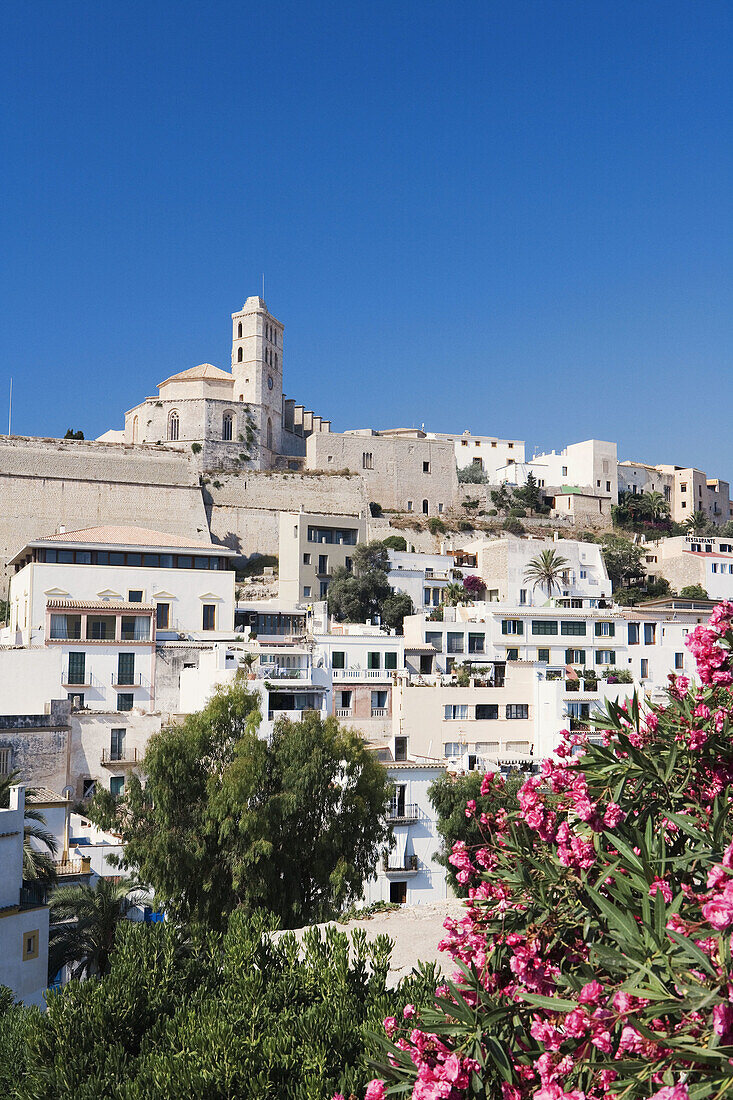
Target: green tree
{"points": [[358, 595], [449, 795], [698, 523], [654, 506], [84, 923], [184, 1015], [454, 593], [623, 559], [394, 609], [472, 475], [71, 434], [225, 819], [694, 592], [395, 542], [546, 570], [501, 498], [529, 494]]}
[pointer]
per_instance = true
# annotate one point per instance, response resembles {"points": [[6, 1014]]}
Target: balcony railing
{"points": [[390, 868], [85, 681], [362, 673], [343, 712], [134, 679], [405, 811], [69, 867], [280, 672], [32, 895], [120, 756], [379, 712]]}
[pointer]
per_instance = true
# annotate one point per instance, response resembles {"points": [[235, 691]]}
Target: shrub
{"points": [[595, 949], [436, 526], [374, 509], [465, 525], [518, 512], [513, 525], [196, 448], [694, 592], [472, 475], [395, 542]]}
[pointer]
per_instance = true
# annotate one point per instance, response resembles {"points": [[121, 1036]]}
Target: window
{"points": [[367, 461], [227, 427], [5, 761], [486, 712], [162, 616], [269, 434], [125, 700], [322, 564], [125, 668], [306, 559], [574, 656], [88, 787], [644, 668], [239, 331], [522, 596], [683, 487], [426, 467], [543, 655], [374, 660], [135, 628], [512, 655], [240, 355], [134, 429], [425, 507], [512, 626], [135, 595], [605, 630], [608, 486], [649, 633], [440, 509], [65, 627], [679, 660], [455, 712], [100, 628], [338, 659], [434, 638], [379, 702], [30, 945], [77, 668], [606, 657], [452, 748], [633, 633], [476, 643], [573, 629], [306, 591], [173, 424], [478, 463], [208, 616], [117, 785], [578, 710], [390, 660], [564, 471], [117, 744], [323, 588], [409, 506], [76, 700], [400, 749], [454, 642], [517, 710], [544, 626]]}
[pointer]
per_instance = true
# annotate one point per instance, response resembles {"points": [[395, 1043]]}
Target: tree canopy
{"points": [[623, 559], [546, 569], [363, 593], [225, 819]]}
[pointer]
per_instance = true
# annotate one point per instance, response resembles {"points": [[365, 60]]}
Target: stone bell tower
{"points": [[257, 368]]}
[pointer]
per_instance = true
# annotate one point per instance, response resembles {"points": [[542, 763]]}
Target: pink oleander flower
{"points": [[486, 783], [672, 1092], [591, 993], [613, 815], [375, 1091], [390, 1025], [660, 886], [408, 1012], [723, 1023], [471, 807]]}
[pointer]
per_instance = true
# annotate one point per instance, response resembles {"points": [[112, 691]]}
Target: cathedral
{"points": [[230, 418]]}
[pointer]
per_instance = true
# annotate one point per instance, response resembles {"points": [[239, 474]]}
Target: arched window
{"points": [[239, 331], [241, 397], [240, 355], [275, 360], [173, 426], [425, 507], [134, 429], [227, 426], [269, 434]]}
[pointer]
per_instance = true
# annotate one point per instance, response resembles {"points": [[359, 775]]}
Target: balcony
{"points": [[32, 895], [73, 868], [344, 712], [379, 712], [119, 758], [403, 812], [76, 682], [410, 867], [280, 672], [362, 673], [129, 680]]}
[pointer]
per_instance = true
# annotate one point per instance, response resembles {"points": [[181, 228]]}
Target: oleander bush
{"points": [[594, 957]]}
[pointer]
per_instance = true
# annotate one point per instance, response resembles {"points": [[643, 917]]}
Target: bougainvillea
{"points": [[594, 956]]}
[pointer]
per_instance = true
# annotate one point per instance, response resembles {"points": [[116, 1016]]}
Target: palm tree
{"points": [[454, 593], [86, 920], [697, 524], [38, 865], [546, 569], [654, 506]]}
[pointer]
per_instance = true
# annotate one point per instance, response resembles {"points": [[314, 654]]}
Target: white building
{"points": [[362, 663], [687, 560], [423, 577], [408, 874], [502, 564], [23, 912], [101, 597], [487, 452], [591, 465]]}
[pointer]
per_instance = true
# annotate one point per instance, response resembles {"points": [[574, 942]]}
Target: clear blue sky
{"points": [[510, 217]]}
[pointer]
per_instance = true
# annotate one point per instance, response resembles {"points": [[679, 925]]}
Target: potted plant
{"points": [[249, 660]]}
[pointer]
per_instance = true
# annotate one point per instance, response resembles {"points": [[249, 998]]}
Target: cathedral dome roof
{"points": [[203, 372]]}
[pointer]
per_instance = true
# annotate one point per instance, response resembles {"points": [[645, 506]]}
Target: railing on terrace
{"points": [[362, 673], [134, 680], [407, 811], [343, 712], [32, 895], [120, 756], [65, 867], [410, 864], [379, 712]]}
